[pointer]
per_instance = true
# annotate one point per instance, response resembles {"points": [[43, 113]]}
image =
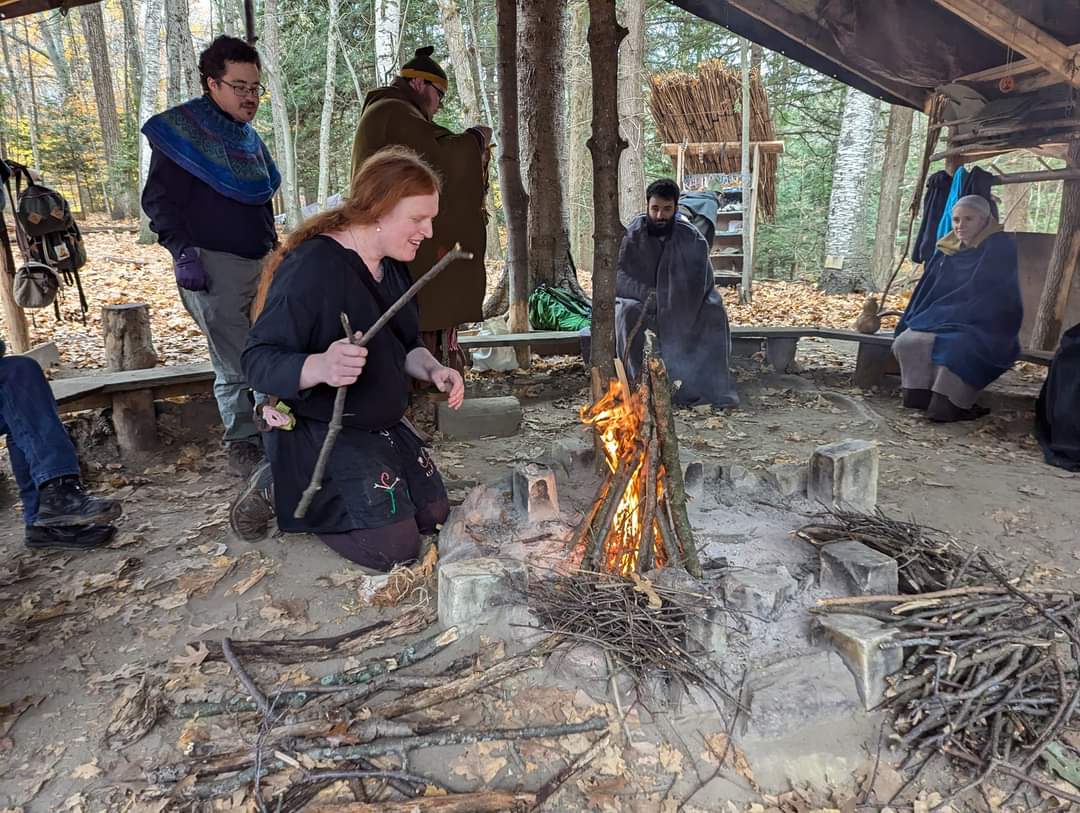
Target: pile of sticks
{"points": [[651, 466], [707, 106], [927, 559], [640, 626], [355, 726], [990, 682]]}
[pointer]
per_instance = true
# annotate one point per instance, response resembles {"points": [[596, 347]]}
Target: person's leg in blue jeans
{"points": [[43, 460]]}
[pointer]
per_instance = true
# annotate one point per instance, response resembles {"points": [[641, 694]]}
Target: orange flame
{"points": [[619, 423]]}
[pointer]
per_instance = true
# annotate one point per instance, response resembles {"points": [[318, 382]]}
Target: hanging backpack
{"points": [[48, 235]]}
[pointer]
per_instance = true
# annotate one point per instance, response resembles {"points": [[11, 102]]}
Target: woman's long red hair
{"points": [[384, 180]]}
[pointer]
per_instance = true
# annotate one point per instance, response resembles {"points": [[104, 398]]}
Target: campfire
{"points": [[638, 520]]}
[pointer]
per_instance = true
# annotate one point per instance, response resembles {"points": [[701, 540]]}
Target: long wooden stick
{"points": [[339, 397], [493, 801], [594, 551]]}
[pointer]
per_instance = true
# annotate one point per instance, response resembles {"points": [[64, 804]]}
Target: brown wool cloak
{"points": [[456, 296]]}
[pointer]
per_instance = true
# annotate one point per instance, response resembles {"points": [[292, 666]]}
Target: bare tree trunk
{"points": [[93, 25], [54, 45], [13, 80], [1063, 262], [897, 146], [476, 65], [328, 104], [756, 54], [542, 76], [514, 199], [148, 99], [36, 155], [352, 70], [173, 87], [579, 88], [131, 44], [464, 87], [605, 35], [387, 39], [1015, 202], [846, 266], [632, 109], [190, 85], [283, 140]]}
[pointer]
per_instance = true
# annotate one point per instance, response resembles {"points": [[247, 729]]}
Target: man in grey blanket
{"points": [[664, 269]]}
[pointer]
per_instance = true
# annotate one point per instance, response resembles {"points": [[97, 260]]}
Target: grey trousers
{"points": [[913, 350], [222, 313]]}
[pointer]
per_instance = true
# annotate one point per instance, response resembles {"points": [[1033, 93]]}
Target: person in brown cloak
{"points": [[403, 114]]}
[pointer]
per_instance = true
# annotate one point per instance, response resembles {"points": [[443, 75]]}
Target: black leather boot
{"points": [[69, 537], [64, 501]]}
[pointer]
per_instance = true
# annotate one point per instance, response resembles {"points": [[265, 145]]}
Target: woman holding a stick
{"points": [[377, 490]]}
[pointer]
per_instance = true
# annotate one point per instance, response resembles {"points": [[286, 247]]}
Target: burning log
{"points": [[638, 520], [669, 451]]}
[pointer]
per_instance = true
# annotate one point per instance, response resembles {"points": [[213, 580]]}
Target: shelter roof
{"points": [[10, 9], [901, 50]]}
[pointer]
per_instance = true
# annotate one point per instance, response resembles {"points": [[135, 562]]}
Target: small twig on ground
{"points": [[554, 785], [253, 691]]}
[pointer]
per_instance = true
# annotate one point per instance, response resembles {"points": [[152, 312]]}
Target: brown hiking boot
{"points": [[253, 508]]}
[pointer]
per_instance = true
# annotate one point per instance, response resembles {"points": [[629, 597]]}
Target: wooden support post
{"points": [[129, 344], [1062, 266], [680, 164], [871, 364], [18, 332], [135, 422], [749, 230], [780, 353]]}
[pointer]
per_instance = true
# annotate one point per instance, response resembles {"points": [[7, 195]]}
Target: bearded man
{"points": [[665, 284]]}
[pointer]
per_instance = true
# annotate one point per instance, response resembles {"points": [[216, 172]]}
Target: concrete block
{"points": [[480, 418], [858, 640], [763, 595], [700, 477], [468, 588], [573, 453], [535, 494], [789, 479], [845, 475], [780, 353], [741, 478], [706, 628], [792, 694], [852, 567]]}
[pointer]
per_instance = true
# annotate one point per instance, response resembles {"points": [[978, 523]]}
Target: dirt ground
{"points": [[78, 633]]}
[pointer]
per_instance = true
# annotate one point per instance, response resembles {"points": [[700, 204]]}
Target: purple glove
{"points": [[189, 271]]}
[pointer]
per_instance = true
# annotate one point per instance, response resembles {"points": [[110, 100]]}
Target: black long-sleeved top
{"points": [[187, 212], [314, 284]]}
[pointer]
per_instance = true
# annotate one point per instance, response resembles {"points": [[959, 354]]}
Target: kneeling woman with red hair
{"points": [[381, 490]]}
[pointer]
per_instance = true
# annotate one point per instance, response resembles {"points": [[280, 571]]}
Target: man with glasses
{"points": [[403, 113], [209, 199]]}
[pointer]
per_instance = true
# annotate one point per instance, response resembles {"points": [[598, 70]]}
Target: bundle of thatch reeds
{"points": [[706, 106]]}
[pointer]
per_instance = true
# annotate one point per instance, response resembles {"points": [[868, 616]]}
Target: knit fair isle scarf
{"points": [[226, 155]]}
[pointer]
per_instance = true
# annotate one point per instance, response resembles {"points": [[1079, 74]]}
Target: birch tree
{"points": [[464, 86], [387, 36], [14, 80], [173, 89], [632, 109], [148, 98], [897, 146], [131, 46], [93, 25], [328, 104], [846, 264], [34, 152], [283, 138]]}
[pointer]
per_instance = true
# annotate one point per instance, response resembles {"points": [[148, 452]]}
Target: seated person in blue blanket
{"points": [[961, 329], [56, 508], [664, 283]]}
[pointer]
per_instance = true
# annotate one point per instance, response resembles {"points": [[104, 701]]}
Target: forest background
{"points": [[76, 87]]}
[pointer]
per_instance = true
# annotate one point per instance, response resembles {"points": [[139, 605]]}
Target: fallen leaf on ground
{"points": [[193, 655], [88, 770], [244, 585]]}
